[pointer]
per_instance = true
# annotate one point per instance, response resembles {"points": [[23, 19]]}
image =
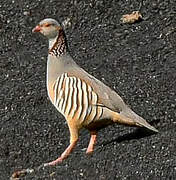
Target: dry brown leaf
{"points": [[131, 18]]}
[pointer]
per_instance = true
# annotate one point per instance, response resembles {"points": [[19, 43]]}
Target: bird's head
{"points": [[48, 27]]}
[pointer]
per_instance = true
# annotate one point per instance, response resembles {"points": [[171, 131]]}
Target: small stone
{"points": [[26, 13], [66, 23]]}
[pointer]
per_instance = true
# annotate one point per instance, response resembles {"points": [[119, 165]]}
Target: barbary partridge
{"points": [[84, 101]]}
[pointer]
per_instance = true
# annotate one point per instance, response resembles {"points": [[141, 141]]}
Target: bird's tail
{"points": [[129, 117]]}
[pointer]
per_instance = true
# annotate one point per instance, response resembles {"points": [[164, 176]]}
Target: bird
{"points": [[83, 100]]}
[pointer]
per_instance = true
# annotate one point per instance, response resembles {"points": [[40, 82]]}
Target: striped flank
{"points": [[75, 99]]}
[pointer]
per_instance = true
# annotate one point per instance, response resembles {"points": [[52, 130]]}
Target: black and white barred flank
{"points": [[75, 99]]}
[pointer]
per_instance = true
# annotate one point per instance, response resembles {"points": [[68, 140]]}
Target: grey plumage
{"points": [[85, 101]]}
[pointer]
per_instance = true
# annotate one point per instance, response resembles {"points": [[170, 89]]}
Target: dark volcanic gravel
{"points": [[137, 60]]}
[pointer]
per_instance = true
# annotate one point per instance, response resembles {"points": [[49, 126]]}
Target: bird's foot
{"points": [[54, 163], [89, 151]]}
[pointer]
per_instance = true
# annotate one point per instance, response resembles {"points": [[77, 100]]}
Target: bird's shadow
{"points": [[137, 134]]}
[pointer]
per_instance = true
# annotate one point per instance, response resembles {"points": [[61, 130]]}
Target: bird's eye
{"points": [[47, 25]]}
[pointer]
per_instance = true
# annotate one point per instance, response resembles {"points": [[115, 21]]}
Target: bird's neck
{"points": [[58, 45]]}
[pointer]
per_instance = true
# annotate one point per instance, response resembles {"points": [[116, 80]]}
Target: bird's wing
{"points": [[106, 96]]}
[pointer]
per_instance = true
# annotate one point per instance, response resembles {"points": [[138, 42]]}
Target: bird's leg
{"points": [[74, 131], [64, 155], [92, 142]]}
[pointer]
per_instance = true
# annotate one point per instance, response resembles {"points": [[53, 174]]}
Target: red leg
{"points": [[74, 131], [64, 155], [92, 142]]}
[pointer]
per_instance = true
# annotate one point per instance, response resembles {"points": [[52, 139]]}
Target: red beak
{"points": [[37, 29]]}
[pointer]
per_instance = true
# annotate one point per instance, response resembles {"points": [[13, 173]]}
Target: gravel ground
{"points": [[137, 60]]}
